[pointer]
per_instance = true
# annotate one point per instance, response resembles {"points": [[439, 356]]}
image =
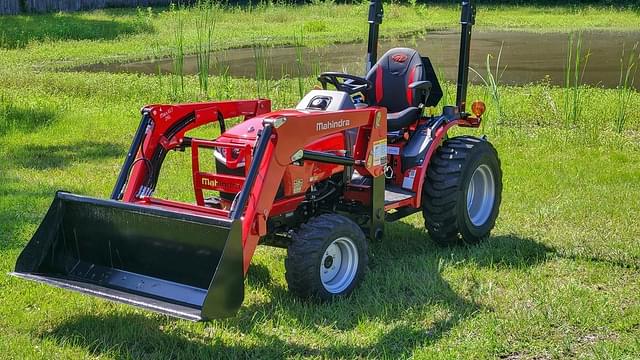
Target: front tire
{"points": [[463, 191], [327, 258]]}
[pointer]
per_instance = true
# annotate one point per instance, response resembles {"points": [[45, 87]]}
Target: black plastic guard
{"points": [[436, 90], [183, 265]]}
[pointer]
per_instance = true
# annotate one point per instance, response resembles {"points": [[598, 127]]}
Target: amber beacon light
{"points": [[478, 108]]}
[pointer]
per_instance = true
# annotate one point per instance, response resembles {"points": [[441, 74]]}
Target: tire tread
{"points": [[441, 191], [307, 247]]}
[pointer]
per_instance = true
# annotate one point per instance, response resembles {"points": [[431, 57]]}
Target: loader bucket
{"points": [[183, 265]]}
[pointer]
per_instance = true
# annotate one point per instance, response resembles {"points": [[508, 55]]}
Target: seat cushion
{"points": [[391, 76], [402, 119]]}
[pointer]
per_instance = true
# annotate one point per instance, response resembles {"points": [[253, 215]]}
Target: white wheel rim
{"points": [[339, 265], [481, 195]]}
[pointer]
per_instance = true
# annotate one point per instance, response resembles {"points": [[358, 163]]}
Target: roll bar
{"points": [[467, 20], [376, 13]]}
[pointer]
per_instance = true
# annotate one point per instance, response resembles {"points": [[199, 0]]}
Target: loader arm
{"points": [[288, 132], [163, 128]]}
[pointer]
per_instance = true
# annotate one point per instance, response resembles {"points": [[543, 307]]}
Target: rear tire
{"points": [[462, 192], [327, 258]]}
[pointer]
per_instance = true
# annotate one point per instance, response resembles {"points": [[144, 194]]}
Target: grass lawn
{"points": [[559, 277]]}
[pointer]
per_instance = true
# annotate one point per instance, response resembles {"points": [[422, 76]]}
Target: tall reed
{"points": [[227, 84], [156, 54], [177, 77], [224, 89], [261, 57], [316, 66], [628, 69], [446, 93], [205, 25], [491, 82], [298, 41], [575, 68]]}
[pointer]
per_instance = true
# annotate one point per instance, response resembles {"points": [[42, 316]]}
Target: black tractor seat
{"points": [[400, 85], [402, 119]]}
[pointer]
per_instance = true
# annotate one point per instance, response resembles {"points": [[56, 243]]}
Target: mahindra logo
{"points": [[214, 183], [331, 124], [399, 58]]}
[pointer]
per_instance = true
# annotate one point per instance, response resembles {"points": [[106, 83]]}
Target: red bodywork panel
{"points": [[293, 131], [296, 179]]}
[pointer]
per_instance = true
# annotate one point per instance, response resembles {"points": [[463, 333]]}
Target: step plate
{"points": [[393, 194]]}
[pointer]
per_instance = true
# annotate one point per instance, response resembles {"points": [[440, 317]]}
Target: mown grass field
{"points": [[559, 277]]}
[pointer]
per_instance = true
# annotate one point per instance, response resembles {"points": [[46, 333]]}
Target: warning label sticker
{"points": [[379, 152], [297, 185], [407, 182]]}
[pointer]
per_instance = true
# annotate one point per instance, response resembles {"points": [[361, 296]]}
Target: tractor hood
{"points": [[248, 130]]}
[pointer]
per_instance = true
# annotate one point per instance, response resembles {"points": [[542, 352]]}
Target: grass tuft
{"points": [[491, 82], [298, 41], [628, 70], [575, 68], [177, 77], [205, 24], [261, 55]]}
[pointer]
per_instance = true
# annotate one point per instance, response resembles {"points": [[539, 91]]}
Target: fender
{"points": [[438, 139]]}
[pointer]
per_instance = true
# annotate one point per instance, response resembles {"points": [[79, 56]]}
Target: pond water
{"points": [[526, 57]]}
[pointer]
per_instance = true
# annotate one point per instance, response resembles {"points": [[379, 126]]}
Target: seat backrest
{"points": [[391, 77]]}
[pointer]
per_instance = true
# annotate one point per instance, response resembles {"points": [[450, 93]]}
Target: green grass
{"points": [[557, 279]]}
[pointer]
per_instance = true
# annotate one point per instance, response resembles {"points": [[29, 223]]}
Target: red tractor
{"points": [[320, 180]]}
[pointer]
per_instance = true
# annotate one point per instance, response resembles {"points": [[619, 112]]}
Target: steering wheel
{"points": [[350, 84]]}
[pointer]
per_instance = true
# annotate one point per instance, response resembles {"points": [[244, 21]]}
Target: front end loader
{"points": [[320, 180]]}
